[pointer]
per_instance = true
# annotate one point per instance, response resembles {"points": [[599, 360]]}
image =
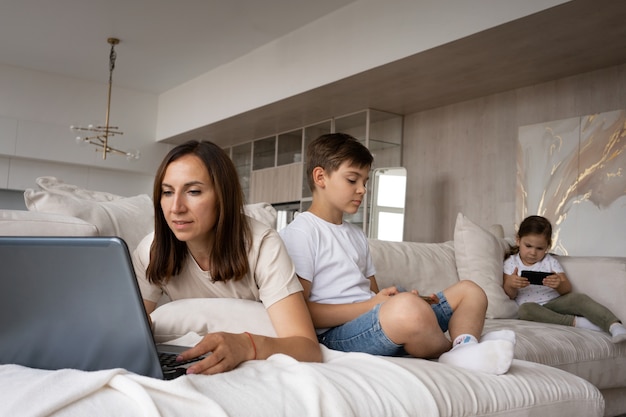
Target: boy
{"points": [[335, 268]]}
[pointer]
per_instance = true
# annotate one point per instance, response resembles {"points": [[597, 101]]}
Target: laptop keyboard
{"points": [[168, 360]]}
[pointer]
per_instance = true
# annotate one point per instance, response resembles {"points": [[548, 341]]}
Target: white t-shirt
{"points": [[271, 278], [334, 258], [539, 294]]}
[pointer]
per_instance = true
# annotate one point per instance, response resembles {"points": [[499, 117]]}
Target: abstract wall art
{"points": [[573, 172]]}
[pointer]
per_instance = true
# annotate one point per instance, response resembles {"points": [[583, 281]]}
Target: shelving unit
{"points": [[273, 169]]}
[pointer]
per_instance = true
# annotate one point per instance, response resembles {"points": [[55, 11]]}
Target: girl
{"points": [[552, 301]]}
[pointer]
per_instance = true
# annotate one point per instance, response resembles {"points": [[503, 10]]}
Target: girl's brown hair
{"points": [[229, 254], [534, 225]]}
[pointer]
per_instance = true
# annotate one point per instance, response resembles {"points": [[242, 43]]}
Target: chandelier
{"points": [[100, 134]]}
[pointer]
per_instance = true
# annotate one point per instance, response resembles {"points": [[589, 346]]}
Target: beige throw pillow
{"points": [[479, 258]]}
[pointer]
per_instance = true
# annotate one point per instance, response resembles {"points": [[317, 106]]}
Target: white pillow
{"points": [[30, 223], [57, 186], [130, 218], [479, 258], [206, 315], [263, 212]]}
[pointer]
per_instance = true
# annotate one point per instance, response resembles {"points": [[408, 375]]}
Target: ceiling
{"points": [[165, 43], [573, 38]]}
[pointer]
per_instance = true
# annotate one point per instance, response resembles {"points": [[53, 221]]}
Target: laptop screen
{"points": [[72, 302]]}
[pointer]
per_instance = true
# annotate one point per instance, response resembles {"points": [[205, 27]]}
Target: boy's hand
{"points": [[430, 299], [384, 295]]}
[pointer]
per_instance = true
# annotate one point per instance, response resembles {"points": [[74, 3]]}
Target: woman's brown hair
{"points": [[229, 254]]}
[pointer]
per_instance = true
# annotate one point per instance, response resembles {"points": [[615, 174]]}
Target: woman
{"points": [[204, 246]]}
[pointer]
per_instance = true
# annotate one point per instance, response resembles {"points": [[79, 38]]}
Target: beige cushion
{"points": [[426, 267], [527, 389], [586, 353], [206, 315], [593, 275], [129, 218], [28, 223], [54, 185], [263, 212], [479, 258]]}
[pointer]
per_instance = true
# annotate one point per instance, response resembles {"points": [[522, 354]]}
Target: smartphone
{"points": [[423, 297], [535, 277]]}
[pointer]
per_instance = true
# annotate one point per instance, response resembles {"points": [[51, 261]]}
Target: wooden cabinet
{"points": [[276, 185]]}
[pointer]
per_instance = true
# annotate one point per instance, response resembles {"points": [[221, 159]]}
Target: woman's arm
{"points": [[295, 337]]}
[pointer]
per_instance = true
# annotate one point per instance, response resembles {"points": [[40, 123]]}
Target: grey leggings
{"points": [[562, 310]]}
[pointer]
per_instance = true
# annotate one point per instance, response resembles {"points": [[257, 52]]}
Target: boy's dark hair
{"points": [[534, 225], [331, 150]]}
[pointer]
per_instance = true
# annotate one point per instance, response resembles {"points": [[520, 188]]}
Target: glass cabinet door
{"points": [[242, 158], [289, 147], [264, 152]]}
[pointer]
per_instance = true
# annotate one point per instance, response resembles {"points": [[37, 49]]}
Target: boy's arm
{"points": [[332, 315]]}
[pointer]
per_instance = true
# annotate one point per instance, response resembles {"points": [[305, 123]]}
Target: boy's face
{"points": [[344, 188]]}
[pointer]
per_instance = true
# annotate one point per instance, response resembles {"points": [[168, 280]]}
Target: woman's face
{"points": [[532, 248], [188, 201]]}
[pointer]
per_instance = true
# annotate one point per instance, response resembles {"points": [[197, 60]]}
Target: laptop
{"points": [[74, 302]]}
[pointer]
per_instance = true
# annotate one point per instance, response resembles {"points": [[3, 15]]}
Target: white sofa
{"points": [[558, 371]]}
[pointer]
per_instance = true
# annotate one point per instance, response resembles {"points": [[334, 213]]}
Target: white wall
{"points": [[36, 110], [358, 37]]}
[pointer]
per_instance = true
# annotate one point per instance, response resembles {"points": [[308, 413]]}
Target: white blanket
{"points": [[346, 384]]}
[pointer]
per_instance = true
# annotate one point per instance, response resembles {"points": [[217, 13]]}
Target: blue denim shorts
{"points": [[364, 334]]}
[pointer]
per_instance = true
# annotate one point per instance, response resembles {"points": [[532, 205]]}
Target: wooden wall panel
{"points": [[461, 158]]}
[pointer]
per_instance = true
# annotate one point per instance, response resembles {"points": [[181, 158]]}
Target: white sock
{"points": [[504, 334], [583, 323], [491, 356], [463, 339], [618, 332]]}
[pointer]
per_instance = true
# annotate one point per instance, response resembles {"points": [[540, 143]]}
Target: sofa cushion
{"points": [[130, 218], [263, 212], [426, 267], [204, 315], [55, 186], [28, 223], [586, 353], [479, 257]]}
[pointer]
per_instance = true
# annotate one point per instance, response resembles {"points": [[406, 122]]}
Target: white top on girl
{"points": [[539, 294]]}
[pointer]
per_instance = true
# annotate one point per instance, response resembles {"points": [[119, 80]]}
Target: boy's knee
{"points": [[472, 291], [406, 308]]}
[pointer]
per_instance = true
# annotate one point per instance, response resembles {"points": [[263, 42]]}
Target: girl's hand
{"points": [[224, 351], [552, 281], [515, 281]]}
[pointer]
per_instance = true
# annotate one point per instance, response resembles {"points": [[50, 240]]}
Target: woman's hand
{"points": [[224, 352]]}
